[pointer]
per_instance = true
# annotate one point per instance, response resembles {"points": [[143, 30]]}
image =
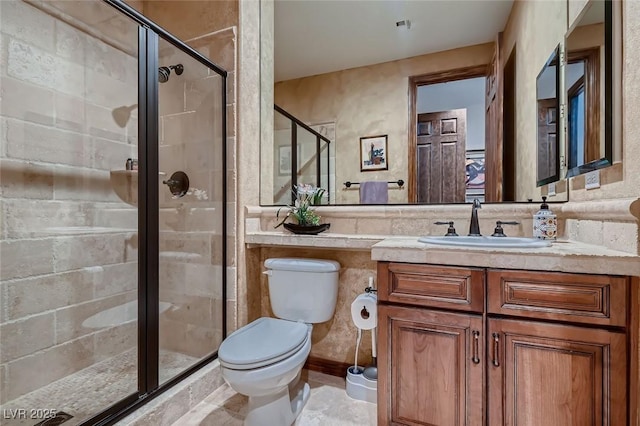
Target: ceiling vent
{"points": [[404, 23]]}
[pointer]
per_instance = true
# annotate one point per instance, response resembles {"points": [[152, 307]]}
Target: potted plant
{"points": [[308, 221]]}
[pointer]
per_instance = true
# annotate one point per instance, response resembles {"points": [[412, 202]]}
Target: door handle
{"points": [[476, 339], [496, 348]]}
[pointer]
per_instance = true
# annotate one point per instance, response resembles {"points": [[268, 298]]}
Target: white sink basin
{"points": [[468, 241]]}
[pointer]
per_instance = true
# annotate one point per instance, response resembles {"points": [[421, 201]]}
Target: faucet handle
{"points": [[451, 231], [498, 231]]}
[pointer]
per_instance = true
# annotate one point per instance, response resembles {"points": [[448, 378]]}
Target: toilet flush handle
{"points": [[267, 272]]}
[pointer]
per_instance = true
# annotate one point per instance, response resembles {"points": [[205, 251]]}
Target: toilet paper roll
{"points": [[364, 311]]}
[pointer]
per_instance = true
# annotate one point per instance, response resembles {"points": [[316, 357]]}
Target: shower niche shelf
{"points": [[125, 184]]}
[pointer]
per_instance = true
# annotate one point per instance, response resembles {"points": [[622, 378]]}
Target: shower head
{"points": [[165, 72], [121, 115]]}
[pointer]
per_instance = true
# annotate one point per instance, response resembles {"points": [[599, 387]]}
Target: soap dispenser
{"points": [[545, 223]]}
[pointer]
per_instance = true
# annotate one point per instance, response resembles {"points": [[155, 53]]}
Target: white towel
{"points": [[374, 192]]}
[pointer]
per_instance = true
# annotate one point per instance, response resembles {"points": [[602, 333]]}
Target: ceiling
{"points": [[319, 36]]}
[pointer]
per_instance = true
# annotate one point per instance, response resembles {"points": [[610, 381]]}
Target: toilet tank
{"points": [[303, 289]]}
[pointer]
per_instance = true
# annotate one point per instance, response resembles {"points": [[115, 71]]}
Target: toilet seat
{"points": [[262, 342]]}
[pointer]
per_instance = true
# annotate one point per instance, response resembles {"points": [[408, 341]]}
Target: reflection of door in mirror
{"points": [[441, 144], [547, 142], [548, 151], [450, 121]]}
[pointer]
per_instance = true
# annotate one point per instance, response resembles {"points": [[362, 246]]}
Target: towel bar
{"points": [[399, 182]]}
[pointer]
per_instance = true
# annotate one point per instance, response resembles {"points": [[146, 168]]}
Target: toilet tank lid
{"points": [[302, 264]]}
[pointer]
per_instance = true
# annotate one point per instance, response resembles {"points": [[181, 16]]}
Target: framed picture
{"points": [[373, 153], [284, 159], [474, 175]]}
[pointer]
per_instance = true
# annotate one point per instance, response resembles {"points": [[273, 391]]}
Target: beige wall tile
{"points": [[34, 371], [621, 236], [38, 143], [34, 65], [26, 336], [70, 320], [22, 179], [70, 112], [114, 279], [100, 123], [35, 218], [4, 382], [116, 340], [88, 250], [33, 295], [71, 183], [110, 155], [27, 23], [26, 101], [70, 43], [24, 258]]}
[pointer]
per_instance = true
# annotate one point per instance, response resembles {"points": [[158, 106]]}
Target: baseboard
{"points": [[327, 366]]}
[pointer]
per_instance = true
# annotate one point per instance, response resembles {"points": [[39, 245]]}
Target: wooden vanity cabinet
{"points": [[549, 349], [430, 361]]}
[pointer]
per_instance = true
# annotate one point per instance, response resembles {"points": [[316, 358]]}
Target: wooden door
{"points": [[441, 156], [555, 375], [430, 367], [493, 128], [548, 165]]}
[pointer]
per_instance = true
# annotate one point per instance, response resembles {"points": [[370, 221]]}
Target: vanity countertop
{"points": [[563, 256]]}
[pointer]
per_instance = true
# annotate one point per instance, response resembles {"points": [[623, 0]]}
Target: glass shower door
{"points": [[191, 210]]}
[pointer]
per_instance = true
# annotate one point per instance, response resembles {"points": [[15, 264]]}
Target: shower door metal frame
{"points": [[149, 35]]}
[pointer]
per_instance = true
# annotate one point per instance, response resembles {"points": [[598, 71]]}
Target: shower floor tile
{"points": [[328, 405], [91, 390]]}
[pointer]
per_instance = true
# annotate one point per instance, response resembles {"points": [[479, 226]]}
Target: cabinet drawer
{"points": [[592, 299], [448, 287]]}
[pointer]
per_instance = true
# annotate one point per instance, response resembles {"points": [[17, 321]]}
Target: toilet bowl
{"points": [[264, 359]]}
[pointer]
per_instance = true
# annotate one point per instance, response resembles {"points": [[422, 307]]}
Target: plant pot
{"points": [[306, 229]]}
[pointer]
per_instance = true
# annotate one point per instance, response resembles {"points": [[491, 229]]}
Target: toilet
{"points": [[264, 359]]}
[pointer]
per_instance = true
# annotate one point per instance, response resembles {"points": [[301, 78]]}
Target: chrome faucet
{"points": [[474, 227]]}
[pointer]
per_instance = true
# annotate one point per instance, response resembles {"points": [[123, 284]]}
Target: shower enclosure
{"points": [[113, 195]]}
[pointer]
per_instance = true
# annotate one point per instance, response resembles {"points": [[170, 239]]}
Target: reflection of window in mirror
{"points": [[582, 76], [576, 121]]}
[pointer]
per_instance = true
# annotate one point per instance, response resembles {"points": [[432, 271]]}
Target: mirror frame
{"points": [[554, 57], [607, 160]]}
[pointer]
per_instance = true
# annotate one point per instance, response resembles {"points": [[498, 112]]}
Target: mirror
{"points": [[588, 85], [547, 107], [355, 72]]}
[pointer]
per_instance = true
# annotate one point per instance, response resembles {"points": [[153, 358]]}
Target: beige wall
{"points": [[189, 19], [369, 101], [622, 180], [535, 28]]}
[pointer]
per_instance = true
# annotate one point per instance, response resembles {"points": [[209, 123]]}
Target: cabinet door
{"points": [[555, 375], [430, 367]]}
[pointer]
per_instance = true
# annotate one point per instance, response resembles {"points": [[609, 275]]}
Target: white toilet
{"points": [[264, 359]]}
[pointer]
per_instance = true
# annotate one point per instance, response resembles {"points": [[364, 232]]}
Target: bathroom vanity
{"points": [[540, 337]]}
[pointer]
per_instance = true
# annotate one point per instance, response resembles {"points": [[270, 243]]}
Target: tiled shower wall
{"points": [[68, 244]]}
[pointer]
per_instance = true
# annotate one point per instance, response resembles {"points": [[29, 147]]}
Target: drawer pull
{"points": [[476, 338], [496, 348]]}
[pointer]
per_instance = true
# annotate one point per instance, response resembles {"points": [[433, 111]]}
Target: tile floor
{"points": [[328, 405], [91, 390]]}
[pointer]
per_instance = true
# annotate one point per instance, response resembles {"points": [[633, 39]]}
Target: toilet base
{"points": [[279, 409]]}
